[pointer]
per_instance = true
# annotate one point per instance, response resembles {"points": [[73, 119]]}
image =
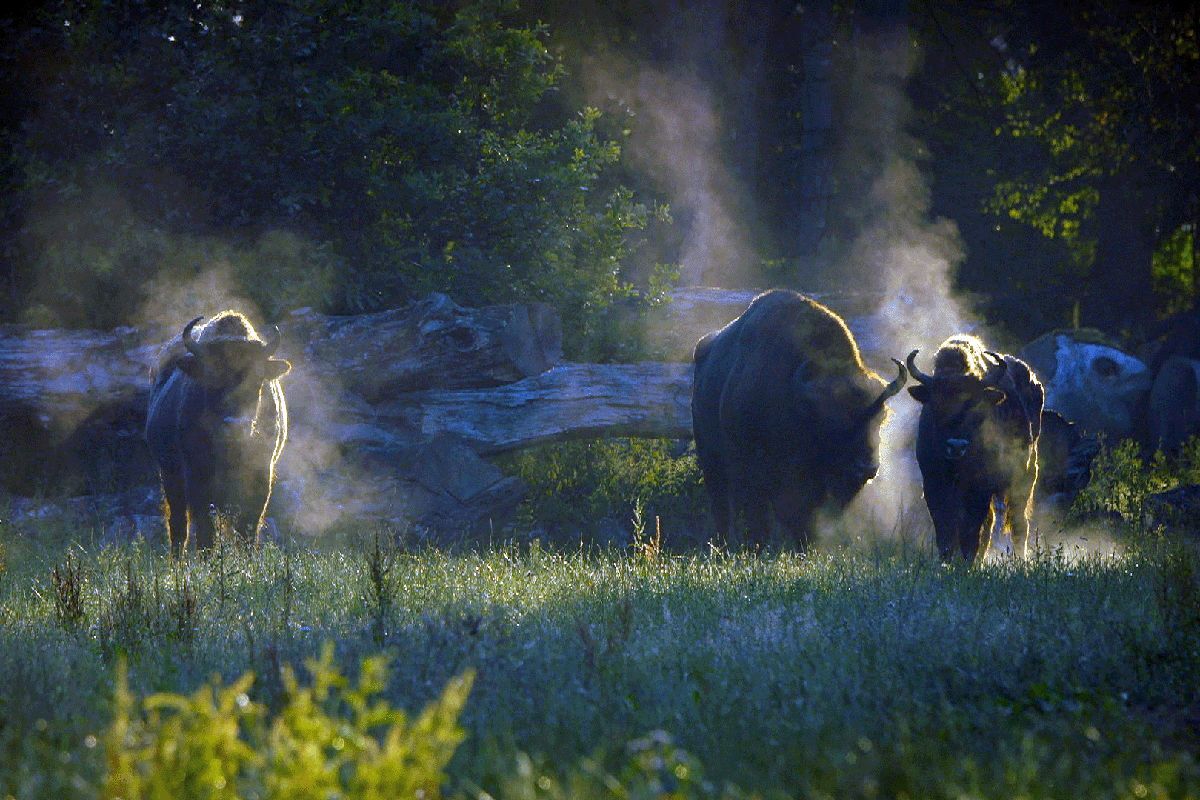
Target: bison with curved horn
{"points": [[216, 425], [977, 445], [785, 415]]}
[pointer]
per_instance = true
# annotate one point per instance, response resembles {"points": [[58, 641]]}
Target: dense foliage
{"points": [[1123, 477], [352, 156], [348, 156], [1065, 145]]}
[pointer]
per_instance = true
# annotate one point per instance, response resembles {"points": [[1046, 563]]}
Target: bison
{"points": [[785, 415], [216, 425], [977, 445], [1172, 412]]}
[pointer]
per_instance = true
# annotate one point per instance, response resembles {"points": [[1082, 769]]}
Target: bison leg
{"points": [[752, 504], [998, 523], [246, 527], [1021, 508], [945, 509], [798, 527], [1020, 526], [717, 486], [200, 508], [202, 523], [177, 518], [252, 508], [795, 510], [758, 521], [973, 522]]}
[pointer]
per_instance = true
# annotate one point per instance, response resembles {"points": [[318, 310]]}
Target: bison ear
{"points": [[994, 396], [276, 368], [920, 393], [191, 366]]}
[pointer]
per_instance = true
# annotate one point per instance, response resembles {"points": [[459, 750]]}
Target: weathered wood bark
{"points": [[433, 343], [72, 403], [62, 376], [570, 401], [59, 377]]}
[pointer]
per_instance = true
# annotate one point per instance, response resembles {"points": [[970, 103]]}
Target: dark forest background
{"points": [[350, 156]]}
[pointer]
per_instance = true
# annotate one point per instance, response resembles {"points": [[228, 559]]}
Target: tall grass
{"points": [[870, 672]]}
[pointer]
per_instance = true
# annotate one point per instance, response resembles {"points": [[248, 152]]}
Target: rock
{"points": [[107, 514], [123, 530], [1092, 383]]}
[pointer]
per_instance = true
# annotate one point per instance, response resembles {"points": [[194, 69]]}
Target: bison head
{"points": [[958, 406], [232, 368], [850, 414]]}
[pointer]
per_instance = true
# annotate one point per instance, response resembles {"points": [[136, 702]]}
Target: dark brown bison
{"points": [[977, 445], [1065, 456], [785, 415], [1172, 413], [216, 424]]}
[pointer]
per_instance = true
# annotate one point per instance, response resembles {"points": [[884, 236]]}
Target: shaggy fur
{"points": [[977, 441], [217, 424], [786, 417]]}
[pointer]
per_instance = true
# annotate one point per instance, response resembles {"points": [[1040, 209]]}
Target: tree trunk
{"points": [[1122, 291], [816, 117]]}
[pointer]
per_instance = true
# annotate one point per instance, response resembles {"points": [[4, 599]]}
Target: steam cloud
{"points": [[898, 255], [676, 142], [907, 258]]}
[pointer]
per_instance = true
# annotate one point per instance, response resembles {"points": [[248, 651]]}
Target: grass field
{"points": [[866, 671]]}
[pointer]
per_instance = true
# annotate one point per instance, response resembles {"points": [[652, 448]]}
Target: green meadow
{"points": [[865, 670]]}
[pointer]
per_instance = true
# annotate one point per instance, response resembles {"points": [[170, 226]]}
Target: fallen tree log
{"points": [[72, 403], [571, 401], [59, 377], [433, 343]]}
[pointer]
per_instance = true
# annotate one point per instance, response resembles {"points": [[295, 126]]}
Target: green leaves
{"points": [[179, 746], [333, 155], [330, 739]]}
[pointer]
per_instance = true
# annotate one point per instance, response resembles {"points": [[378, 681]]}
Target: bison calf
{"points": [[785, 415], [216, 424], [977, 443]]}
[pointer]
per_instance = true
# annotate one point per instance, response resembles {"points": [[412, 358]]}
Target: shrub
{"points": [[604, 480], [330, 739], [68, 580], [1122, 479]]}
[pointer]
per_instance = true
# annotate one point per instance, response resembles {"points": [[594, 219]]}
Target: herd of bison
{"points": [[786, 419]]}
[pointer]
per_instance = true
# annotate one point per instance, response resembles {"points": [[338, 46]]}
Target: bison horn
{"points": [[916, 373], [999, 366], [271, 343], [895, 386], [189, 341], [889, 391]]}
